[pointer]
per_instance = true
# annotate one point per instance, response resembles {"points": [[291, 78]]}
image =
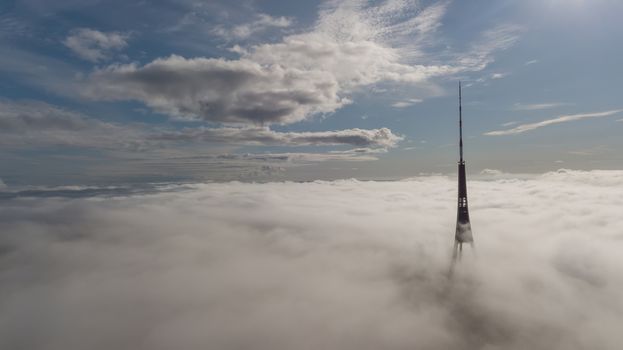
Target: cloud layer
{"points": [[381, 138], [30, 124], [332, 265]]}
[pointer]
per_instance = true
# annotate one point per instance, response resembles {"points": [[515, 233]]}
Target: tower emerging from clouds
{"points": [[463, 226]]}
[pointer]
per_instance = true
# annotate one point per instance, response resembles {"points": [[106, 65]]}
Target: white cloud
{"points": [[353, 44], [537, 106], [406, 103], [561, 119], [531, 62], [93, 45], [498, 75], [332, 265], [261, 23], [485, 80]]}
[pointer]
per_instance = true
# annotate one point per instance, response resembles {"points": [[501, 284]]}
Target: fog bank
{"points": [[322, 265]]}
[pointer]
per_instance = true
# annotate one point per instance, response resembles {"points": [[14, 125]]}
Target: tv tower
{"points": [[463, 226]]}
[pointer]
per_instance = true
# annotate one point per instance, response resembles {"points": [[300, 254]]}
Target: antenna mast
{"points": [[460, 124]]}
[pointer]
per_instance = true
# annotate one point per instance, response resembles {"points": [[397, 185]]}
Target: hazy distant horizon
{"points": [[65, 181]]}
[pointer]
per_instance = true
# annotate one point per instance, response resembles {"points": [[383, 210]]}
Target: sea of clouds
{"points": [[321, 265]]}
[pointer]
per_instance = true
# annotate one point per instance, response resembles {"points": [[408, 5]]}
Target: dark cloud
{"points": [[239, 91], [332, 265]]}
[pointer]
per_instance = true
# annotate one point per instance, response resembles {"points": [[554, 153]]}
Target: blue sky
{"points": [[141, 91]]}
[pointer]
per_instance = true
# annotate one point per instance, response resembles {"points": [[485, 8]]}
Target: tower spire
{"points": [[463, 226], [460, 124]]}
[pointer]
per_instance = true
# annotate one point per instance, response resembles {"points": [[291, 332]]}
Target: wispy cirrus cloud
{"points": [[261, 23], [510, 123], [10, 26], [406, 103], [499, 75], [561, 119], [487, 78], [537, 106], [482, 51]]}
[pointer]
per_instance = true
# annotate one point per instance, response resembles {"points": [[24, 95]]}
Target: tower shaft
{"points": [[463, 226]]}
